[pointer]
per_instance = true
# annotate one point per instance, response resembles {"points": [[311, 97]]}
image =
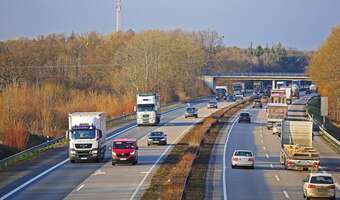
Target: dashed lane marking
{"points": [[277, 177], [79, 188], [267, 156], [286, 194]]}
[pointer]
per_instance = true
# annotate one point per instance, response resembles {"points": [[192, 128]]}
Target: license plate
{"points": [[122, 158], [83, 158], [155, 141]]}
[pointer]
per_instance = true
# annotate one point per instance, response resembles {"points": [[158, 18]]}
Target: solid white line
{"points": [[277, 177], [155, 164], [79, 188], [264, 148], [33, 179], [58, 165], [225, 197], [267, 156], [286, 194], [271, 166]]}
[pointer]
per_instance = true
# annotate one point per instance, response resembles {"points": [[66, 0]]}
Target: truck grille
{"points": [[83, 146], [83, 153], [146, 116]]}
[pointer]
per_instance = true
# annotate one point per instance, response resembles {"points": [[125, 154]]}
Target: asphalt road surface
{"points": [[269, 180]]}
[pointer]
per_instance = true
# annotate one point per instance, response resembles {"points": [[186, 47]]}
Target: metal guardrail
{"points": [[4, 163], [321, 128]]}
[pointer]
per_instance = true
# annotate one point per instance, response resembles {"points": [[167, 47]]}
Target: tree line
{"points": [[325, 72]]}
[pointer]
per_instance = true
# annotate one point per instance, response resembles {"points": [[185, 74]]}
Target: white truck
{"points": [[297, 151], [148, 109], [276, 113], [238, 88], [86, 134], [295, 91], [221, 92]]}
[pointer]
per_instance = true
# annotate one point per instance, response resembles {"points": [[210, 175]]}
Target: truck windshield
{"points": [[83, 134], [145, 107], [123, 145]]}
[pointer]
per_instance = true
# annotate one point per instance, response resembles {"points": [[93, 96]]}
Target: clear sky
{"points": [[302, 24]]}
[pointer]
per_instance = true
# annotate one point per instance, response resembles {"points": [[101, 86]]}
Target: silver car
{"points": [[191, 112], [243, 158], [320, 185], [212, 104]]}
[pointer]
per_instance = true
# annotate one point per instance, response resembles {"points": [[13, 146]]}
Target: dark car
{"points": [[157, 137], [231, 98], [257, 104], [244, 117], [191, 112]]}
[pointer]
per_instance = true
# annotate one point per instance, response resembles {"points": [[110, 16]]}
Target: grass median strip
{"points": [[182, 173]]}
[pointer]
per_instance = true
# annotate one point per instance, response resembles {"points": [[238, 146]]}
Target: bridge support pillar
{"points": [[273, 84], [210, 82]]}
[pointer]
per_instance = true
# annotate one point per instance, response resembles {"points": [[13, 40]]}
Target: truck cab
{"points": [[124, 151], [148, 109], [86, 136]]}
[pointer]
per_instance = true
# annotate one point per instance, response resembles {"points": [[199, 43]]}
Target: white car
{"points": [[319, 185], [243, 158]]}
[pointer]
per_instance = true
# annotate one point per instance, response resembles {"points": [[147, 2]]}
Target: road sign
{"points": [[324, 106]]}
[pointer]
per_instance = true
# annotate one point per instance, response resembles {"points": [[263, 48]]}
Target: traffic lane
{"points": [[245, 183], [48, 182], [135, 179]]}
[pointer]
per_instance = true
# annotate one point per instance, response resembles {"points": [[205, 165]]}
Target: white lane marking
{"points": [[277, 178], [262, 141], [225, 197], [271, 166], [79, 188], [144, 172], [58, 165], [32, 180], [286, 194], [155, 164], [99, 172], [264, 148], [337, 185], [267, 156]]}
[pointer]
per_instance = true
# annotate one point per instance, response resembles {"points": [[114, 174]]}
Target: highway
{"points": [[269, 180], [93, 180]]}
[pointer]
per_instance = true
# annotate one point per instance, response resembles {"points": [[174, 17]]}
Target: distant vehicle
{"points": [[277, 128], [257, 104], [238, 88], [239, 97], [243, 158], [264, 99], [157, 137], [221, 92], [295, 91], [87, 133], [191, 112], [124, 151], [313, 88], [231, 98], [276, 112], [148, 109], [212, 104], [244, 117], [319, 185]]}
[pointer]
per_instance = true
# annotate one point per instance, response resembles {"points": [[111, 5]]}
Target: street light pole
{"points": [[118, 12]]}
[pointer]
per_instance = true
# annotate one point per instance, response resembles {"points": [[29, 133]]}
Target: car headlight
{"points": [[132, 153], [163, 139], [114, 153], [149, 139], [94, 151], [72, 151]]}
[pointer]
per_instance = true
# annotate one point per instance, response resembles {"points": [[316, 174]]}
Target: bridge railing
{"points": [[257, 74]]}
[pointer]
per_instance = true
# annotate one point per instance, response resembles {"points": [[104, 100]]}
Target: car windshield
{"points": [[83, 134], [145, 107], [244, 114], [243, 153], [212, 102], [123, 145], [321, 180], [156, 134], [190, 109]]}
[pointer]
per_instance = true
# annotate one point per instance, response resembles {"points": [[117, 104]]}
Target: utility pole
{"points": [[118, 11]]}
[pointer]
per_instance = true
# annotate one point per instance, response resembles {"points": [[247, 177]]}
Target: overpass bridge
{"points": [[210, 79]]}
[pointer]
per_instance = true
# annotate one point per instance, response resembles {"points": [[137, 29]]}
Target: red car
{"points": [[124, 151]]}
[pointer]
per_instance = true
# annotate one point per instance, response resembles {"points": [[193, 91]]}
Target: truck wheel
{"points": [[113, 164], [72, 161], [134, 162]]}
